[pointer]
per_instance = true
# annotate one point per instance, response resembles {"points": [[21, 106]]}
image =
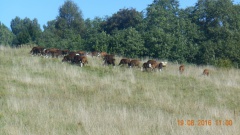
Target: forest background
{"points": [[207, 33]]}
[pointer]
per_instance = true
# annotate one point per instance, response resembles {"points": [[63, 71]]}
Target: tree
{"points": [[70, 17], [95, 38], [6, 36], [26, 31], [127, 42], [219, 20], [123, 19], [67, 30]]}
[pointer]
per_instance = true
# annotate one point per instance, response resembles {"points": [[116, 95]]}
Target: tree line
{"points": [[206, 33]]}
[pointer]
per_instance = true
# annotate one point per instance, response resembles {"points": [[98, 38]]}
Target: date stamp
{"points": [[202, 122]]}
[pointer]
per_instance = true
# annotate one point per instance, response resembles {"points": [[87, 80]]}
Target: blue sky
{"points": [[46, 10]]}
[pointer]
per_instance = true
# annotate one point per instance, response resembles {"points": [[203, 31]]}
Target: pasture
{"points": [[41, 96]]}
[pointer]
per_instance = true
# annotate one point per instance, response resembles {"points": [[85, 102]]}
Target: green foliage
{"points": [[66, 31], [223, 63], [205, 33], [123, 19], [26, 31], [70, 17], [127, 42], [6, 36]]}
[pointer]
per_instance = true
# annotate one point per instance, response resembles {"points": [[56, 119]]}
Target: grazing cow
{"points": [[153, 64], [160, 66], [37, 50], [108, 56], [83, 61], [78, 59], [124, 61], [181, 69], [53, 52], [109, 60], [134, 63], [69, 57], [145, 66], [206, 72]]}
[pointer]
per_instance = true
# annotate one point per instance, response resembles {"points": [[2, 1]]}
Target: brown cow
{"points": [[37, 50], [206, 72], [84, 61], [145, 66], [69, 57], [134, 63], [53, 52], [181, 69], [109, 60], [108, 56], [78, 59], [124, 61], [153, 64]]}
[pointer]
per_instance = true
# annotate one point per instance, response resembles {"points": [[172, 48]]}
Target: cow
{"points": [[37, 50], [145, 66], [181, 69], [78, 59], [153, 64], [124, 61], [109, 60], [134, 63], [206, 72], [53, 52], [69, 57], [160, 66]]}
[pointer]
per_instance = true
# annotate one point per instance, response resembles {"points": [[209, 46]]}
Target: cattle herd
{"points": [[80, 58]]}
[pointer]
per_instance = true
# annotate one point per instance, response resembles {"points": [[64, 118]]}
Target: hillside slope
{"points": [[44, 96]]}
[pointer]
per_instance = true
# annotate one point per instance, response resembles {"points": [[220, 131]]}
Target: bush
{"points": [[223, 63]]}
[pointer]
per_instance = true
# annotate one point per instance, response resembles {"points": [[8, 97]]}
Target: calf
{"points": [[181, 69], [206, 72]]}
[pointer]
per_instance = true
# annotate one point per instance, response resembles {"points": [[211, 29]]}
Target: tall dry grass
{"points": [[44, 96]]}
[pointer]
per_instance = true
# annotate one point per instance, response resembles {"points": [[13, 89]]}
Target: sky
{"points": [[47, 10]]}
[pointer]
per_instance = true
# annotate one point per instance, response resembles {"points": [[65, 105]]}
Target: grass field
{"points": [[41, 96]]}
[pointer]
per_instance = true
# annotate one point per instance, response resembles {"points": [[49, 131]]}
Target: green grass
{"points": [[45, 96]]}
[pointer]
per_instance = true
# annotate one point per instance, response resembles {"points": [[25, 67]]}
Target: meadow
{"points": [[41, 96]]}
